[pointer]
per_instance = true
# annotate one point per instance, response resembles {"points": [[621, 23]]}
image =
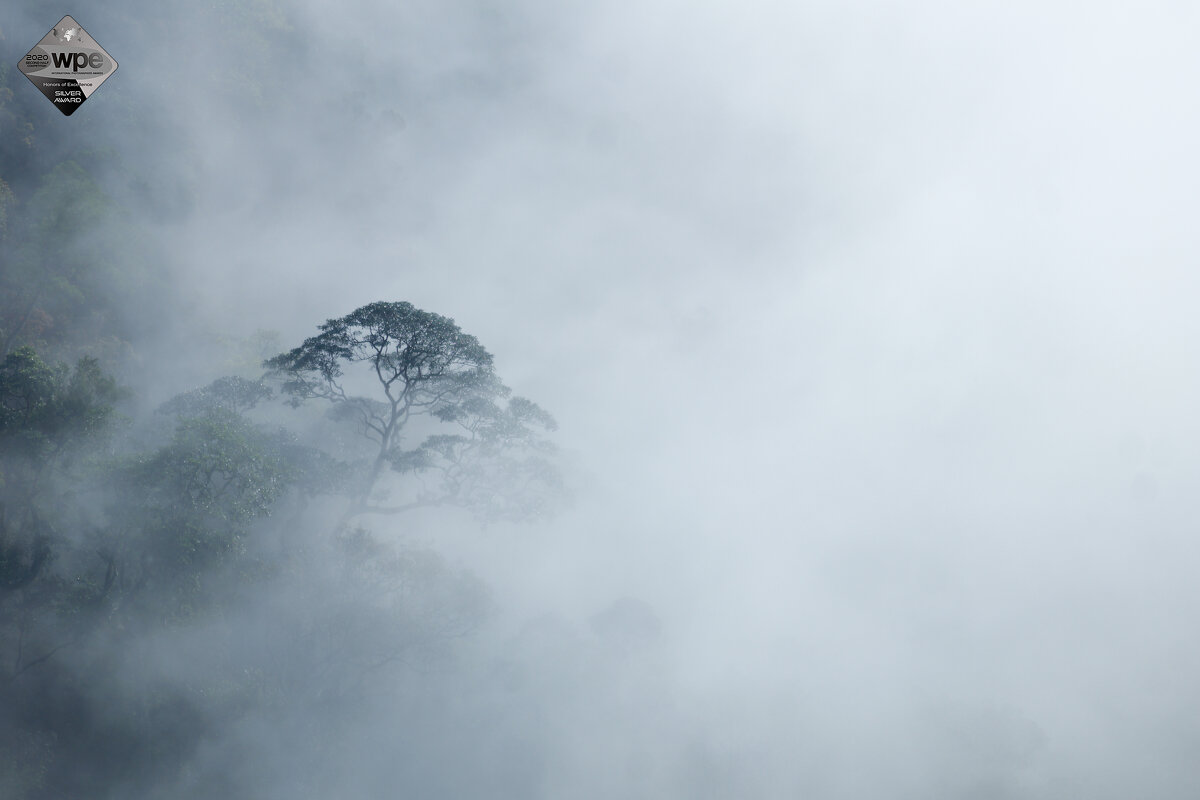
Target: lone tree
{"points": [[482, 447]]}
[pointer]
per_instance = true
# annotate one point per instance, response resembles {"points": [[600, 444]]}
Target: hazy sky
{"points": [[870, 329]]}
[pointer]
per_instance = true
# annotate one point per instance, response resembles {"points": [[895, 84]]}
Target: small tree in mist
{"points": [[482, 447], [183, 514]]}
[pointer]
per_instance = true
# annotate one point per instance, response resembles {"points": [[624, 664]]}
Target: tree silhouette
{"points": [[482, 447]]}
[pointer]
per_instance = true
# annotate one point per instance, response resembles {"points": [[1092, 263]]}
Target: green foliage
{"points": [[6, 202], [230, 393], [423, 366], [111, 544], [102, 553], [421, 360], [17, 145], [186, 510], [48, 410], [217, 465], [74, 259], [20, 562], [51, 418], [47, 271], [211, 423], [499, 466]]}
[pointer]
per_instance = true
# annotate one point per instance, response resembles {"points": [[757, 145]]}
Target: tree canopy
{"points": [[393, 369]]}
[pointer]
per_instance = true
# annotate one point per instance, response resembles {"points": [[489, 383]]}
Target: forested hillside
{"points": [[171, 576], [502, 399]]}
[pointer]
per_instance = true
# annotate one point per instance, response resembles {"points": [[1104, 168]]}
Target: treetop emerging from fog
{"points": [[424, 365], [420, 358]]}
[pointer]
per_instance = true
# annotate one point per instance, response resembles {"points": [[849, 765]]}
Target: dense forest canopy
{"points": [[220, 514], [114, 530]]}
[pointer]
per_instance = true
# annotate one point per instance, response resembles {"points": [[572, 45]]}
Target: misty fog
{"points": [[868, 334]]}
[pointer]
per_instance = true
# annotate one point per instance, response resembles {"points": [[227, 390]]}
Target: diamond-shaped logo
{"points": [[67, 65]]}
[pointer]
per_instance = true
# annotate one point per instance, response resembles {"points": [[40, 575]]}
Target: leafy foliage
{"points": [[46, 409], [216, 466], [498, 466], [230, 393], [117, 538], [423, 366]]}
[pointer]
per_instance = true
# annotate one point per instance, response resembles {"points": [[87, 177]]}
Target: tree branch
{"points": [[400, 509]]}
